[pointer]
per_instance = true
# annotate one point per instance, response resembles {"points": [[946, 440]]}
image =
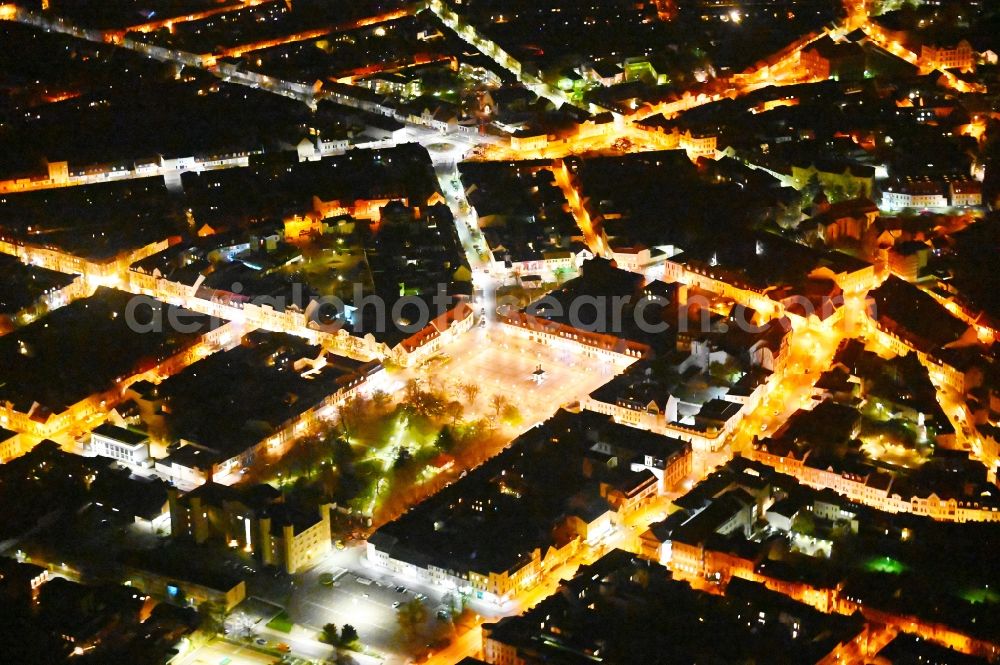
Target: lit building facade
{"points": [[254, 520], [120, 444]]}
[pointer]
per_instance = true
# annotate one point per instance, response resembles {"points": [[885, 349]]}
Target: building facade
{"points": [[120, 444]]}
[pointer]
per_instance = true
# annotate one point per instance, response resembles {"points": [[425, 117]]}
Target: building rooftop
{"points": [[123, 434], [492, 520], [605, 303], [909, 649], [22, 286], [172, 562], [96, 333], [913, 315], [234, 399], [593, 615], [97, 222]]}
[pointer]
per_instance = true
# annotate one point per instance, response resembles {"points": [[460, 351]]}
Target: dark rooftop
{"points": [[96, 333], [235, 399], [624, 609]]}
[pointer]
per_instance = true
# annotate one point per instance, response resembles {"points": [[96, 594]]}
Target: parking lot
{"points": [[343, 589], [344, 597]]}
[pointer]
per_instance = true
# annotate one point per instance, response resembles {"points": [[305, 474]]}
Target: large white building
{"points": [[120, 444], [914, 194]]}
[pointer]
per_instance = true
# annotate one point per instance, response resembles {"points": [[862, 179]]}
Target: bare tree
{"points": [[455, 410], [470, 391], [498, 403], [411, 389]]}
